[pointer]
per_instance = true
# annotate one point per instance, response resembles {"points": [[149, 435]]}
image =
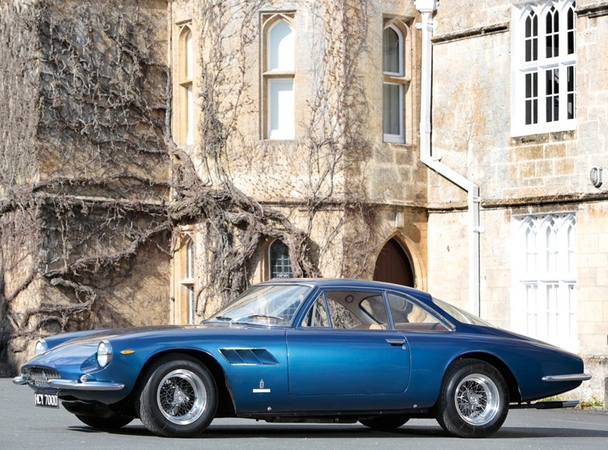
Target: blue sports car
{"points": [[305, 350]]}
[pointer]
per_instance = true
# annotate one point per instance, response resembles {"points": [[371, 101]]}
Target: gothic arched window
{"points": [[280, 264], [279, 78]]}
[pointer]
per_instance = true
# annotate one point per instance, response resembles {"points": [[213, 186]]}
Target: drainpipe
{"points": [[427, 9]]}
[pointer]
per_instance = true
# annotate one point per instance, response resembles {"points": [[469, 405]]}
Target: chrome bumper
{"points": [[86, 386], [570, 377], [19, 380], [74, 385]]}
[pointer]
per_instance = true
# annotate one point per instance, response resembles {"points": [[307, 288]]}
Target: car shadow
{"points": [[527, 433], [340, 431]]}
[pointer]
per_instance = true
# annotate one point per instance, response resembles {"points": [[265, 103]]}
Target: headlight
{"points": [[104, 353], [41, 347]]}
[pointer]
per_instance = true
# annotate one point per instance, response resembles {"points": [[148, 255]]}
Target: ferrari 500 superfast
{"points": [[305, 350]]}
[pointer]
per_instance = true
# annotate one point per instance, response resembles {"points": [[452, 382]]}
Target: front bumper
{"points": [[74, 385]]}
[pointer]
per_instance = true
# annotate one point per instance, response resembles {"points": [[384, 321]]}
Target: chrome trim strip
{"points": [[87, 386], [570, 377]]}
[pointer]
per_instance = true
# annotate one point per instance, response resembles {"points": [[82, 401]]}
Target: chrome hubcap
{"points": [[181, 397], [477, 399]]}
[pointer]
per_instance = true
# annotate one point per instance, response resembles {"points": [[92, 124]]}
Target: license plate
{"points": [[46, 400]]}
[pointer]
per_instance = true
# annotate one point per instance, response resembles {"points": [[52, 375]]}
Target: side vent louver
{"points": [[250, 356]]}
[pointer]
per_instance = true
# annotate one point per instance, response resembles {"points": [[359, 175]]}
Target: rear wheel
{"points": [[474, 399], [105, 423], [387, 422], [179, 399]]}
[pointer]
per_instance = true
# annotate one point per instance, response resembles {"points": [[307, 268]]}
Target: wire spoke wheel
{"points": [[474, 399], [178, 398], [477, 399], [181, 397]]}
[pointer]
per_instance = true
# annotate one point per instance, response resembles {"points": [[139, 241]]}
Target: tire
{"points": [[474, 399], [179, 398], [387, 422], [105, 423]]}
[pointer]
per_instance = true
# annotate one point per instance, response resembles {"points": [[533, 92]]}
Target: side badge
{"points": [[261, 389]]}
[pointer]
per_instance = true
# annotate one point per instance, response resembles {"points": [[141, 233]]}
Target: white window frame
{"points": [[400, 51], [279, 79], [401, 78], [188, 85], [184, 119], [280, 115], [563, 66], [188, 281], [544, 302]]}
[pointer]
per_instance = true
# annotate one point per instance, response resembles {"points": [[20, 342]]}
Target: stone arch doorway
{"points": [[393, 265]]}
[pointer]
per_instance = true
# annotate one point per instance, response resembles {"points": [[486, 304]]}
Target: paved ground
{"points": [[24, 426]]}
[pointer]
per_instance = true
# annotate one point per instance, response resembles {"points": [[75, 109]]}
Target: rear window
{"points": [[461, 315]]}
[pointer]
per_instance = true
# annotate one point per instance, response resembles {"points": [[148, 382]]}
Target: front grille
{"points": [[39, 376]]}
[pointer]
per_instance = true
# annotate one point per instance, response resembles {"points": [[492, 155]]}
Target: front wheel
{"points": [[179, 399], [474, 399]]}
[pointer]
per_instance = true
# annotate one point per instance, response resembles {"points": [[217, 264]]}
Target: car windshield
{"points": [[263, 305], [461, 315]]}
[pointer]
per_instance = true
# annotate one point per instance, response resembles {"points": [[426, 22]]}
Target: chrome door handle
{"points": [[396, 342]]}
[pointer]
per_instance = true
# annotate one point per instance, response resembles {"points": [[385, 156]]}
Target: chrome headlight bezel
{"points": [[104, 353], [40, 347]]}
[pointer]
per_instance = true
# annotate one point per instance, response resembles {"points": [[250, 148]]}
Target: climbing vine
{"points": [[92, 178]]}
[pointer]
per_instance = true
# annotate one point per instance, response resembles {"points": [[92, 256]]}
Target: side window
{"points": [[317, 315], [409, 316], [374, 307], [344, 310], [342, 318]]}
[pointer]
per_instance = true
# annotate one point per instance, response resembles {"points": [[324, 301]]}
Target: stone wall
{"points": [[545, 173], [337, 179], [84, 169]]}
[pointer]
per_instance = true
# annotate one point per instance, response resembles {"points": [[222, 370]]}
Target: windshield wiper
{"points": [[223, 318], [260, 316]]}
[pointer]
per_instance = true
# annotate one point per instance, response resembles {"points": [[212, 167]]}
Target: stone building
{"points": [[519, 109], [84, 240], [456, 146], [479, 149], [301, 103]]}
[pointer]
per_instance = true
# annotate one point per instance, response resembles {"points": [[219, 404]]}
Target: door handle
{"points": [[396, 342]]}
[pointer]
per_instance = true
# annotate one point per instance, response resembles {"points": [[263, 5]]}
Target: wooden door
{"points": [[393, 265]]}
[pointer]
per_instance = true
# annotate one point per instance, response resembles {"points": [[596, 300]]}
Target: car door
{"points": [[343, 350]]}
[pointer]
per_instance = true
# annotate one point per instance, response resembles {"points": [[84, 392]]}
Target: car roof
{"points": [[351, 283]]}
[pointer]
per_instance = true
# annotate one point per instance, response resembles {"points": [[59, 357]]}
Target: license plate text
{"points": [[46, 400]]}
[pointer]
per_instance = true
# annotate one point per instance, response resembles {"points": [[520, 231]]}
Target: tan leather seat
{"points": [[373, 326]]}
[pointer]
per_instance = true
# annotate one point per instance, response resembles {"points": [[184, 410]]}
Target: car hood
{"points": [[156, 330]]}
